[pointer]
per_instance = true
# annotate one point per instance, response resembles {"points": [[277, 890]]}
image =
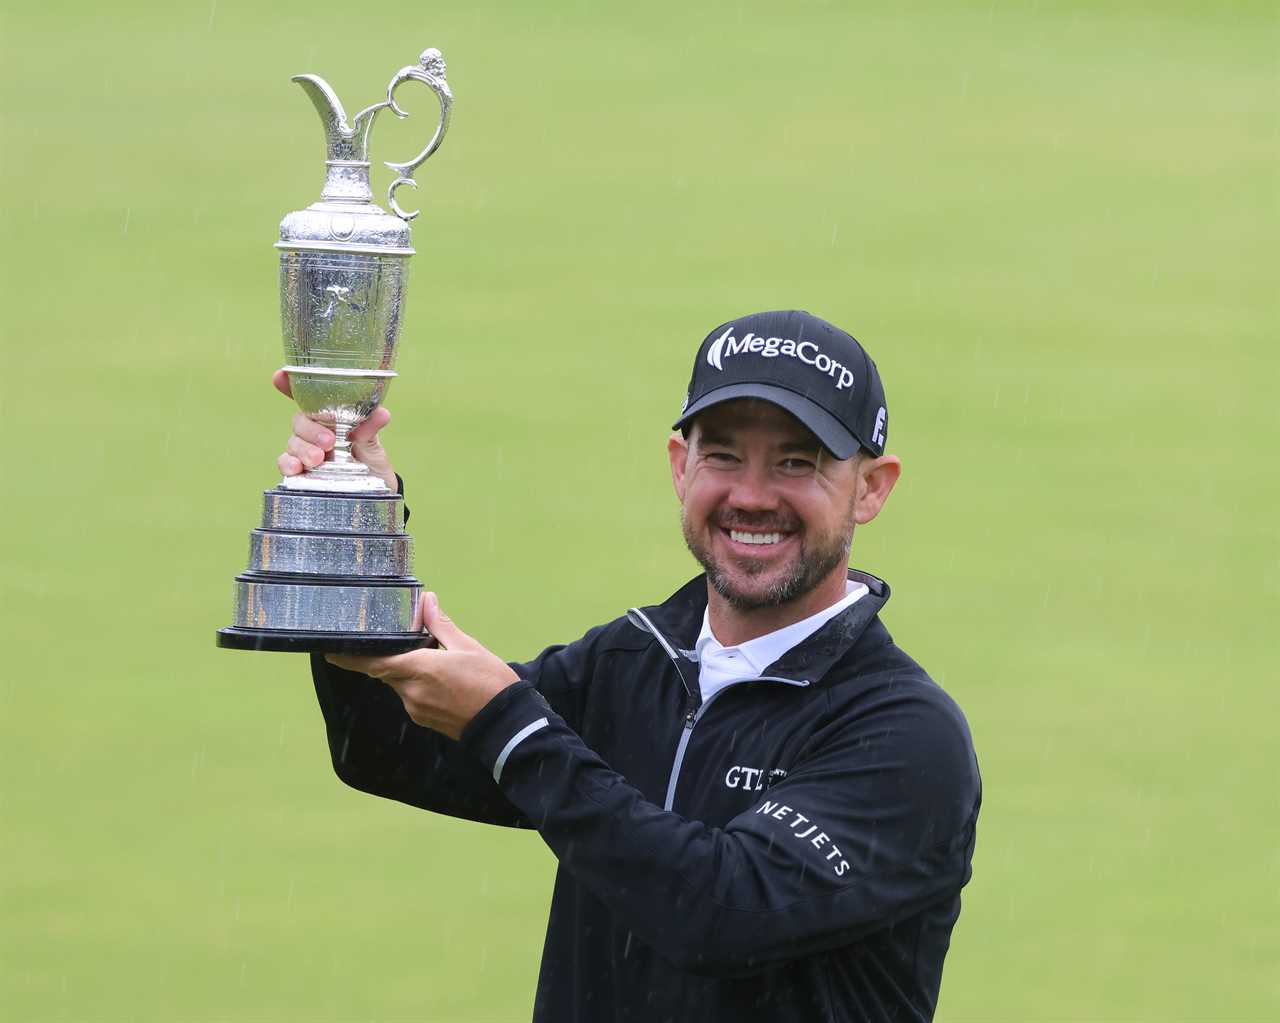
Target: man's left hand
{"points": [[441, 689]]}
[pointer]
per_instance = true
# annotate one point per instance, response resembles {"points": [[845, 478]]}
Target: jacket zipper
{"points": [[694, 714]]}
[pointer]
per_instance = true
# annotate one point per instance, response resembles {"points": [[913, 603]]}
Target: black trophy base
{"points": [[361, 644]]}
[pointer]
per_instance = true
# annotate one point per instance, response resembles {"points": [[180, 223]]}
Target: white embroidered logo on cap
{"points": [[726, 346], [877, 433]]}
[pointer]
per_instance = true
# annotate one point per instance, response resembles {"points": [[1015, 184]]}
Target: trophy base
{"points": [[316, 512], [326, 605], [328, 573], [289, 641]]}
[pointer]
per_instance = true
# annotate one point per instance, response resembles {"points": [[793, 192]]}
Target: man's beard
{"points": [[812, 565]]}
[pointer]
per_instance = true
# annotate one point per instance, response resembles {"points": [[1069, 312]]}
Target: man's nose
{"points": [[753, 490]]}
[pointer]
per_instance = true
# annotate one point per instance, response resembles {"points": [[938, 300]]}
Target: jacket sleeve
{"points": [[376, 748], [874, 823]]}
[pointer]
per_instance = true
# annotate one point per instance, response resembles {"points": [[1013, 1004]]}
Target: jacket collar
{"points": [[679, 620]]}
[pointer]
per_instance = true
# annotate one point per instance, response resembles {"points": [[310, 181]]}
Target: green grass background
{"points": [[1053, 224]]}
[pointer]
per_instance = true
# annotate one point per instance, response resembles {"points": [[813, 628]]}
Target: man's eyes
{"points": [[790, 466]]}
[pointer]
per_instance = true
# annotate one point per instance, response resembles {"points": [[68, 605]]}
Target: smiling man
{"points": [[762, 808]]}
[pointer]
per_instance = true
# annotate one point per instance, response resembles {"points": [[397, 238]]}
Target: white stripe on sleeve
{"points": [[516, 740]]}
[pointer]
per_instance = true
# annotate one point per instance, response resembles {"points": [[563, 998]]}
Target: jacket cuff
{"points": [[503, 724]]}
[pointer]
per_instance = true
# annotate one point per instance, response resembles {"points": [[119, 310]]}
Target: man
{"points": [[762, 808]]}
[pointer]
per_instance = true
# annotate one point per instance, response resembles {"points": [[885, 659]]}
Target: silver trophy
{"points": [[330, 568]]}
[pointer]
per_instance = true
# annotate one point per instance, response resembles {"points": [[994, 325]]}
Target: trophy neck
{"points": [[347, 181]]}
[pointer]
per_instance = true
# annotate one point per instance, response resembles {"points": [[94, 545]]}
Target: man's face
{"points": [[766, 510]]}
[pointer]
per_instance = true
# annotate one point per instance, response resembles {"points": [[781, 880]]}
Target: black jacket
{"points": [[793, 849]]}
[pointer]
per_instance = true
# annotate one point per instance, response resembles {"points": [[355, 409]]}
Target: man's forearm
{"points": [[733, 899], [376, 748]]}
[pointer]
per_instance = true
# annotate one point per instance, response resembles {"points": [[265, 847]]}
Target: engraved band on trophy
{"points": [[330, 568]]}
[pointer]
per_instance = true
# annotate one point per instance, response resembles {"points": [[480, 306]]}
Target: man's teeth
{"points": [[742, 537]]}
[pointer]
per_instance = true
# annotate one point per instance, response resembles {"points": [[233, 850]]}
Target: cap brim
{"points": [[826, 427]]}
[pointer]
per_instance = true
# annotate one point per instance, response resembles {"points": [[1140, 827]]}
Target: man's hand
{"points": [[441, 689], [311, 441]]}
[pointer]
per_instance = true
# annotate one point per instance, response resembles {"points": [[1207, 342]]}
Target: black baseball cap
{"points": [[803, 364]]}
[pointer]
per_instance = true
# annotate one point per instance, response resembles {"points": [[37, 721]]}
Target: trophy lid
{"points": [[346, 217]]}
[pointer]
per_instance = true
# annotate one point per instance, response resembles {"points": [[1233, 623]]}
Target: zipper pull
{"points": [[688, 719]]}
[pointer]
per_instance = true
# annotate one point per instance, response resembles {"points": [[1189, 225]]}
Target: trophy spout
{"points": [[329, 107], [344, 142], [347, 142], [346, 145]]}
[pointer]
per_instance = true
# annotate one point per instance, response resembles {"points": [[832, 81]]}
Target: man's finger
{"points": [[441, 626], [309, 455], [391, 668], [374, 667], [289, 466], [280, 380], [312, 432]]}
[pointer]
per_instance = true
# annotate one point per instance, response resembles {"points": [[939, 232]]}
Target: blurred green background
{"points": [[1053, 224]]}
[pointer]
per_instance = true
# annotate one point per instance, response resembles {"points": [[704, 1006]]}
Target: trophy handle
{"points": [[429, 70]]}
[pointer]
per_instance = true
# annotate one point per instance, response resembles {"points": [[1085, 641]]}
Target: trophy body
{"points": [[330, 568]]}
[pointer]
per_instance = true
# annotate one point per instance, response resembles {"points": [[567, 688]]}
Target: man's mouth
{"points": [[746, 536]]}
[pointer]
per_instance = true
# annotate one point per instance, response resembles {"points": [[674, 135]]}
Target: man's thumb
{"points": [[366, 434], [441, 626]]}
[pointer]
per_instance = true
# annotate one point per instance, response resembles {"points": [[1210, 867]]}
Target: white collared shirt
{"points": [[719, 666]]}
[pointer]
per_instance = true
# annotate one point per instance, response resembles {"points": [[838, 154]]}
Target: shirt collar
{"points": [[674, 623], [764, 650]]}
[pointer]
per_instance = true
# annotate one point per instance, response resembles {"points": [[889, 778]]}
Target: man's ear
{"points": [[876, 479], [678, 454]]}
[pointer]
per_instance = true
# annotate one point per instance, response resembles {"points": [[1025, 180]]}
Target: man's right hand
{"points": [[311, 441]]}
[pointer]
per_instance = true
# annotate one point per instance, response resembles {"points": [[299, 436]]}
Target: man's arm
{"points": [[874, 822], [377, 747], [374, 745], [873, 825]]}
